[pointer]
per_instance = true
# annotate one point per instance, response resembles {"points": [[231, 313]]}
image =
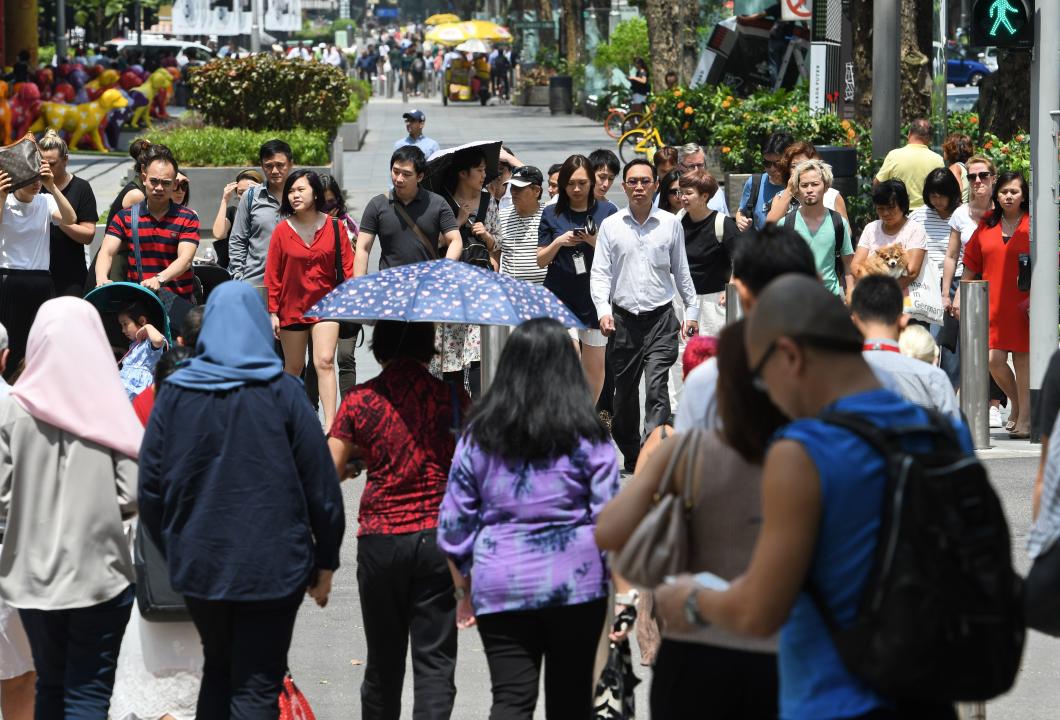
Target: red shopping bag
{"points": [[293, 705]]}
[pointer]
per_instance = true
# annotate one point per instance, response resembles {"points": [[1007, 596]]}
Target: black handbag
{"points": [[21, 161], [155, 596]]}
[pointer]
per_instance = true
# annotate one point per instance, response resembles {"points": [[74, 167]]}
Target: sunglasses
{"points": [[770, 163], [182, 186], [675, 191], [820, 342], [980, 176], [635, 182]]}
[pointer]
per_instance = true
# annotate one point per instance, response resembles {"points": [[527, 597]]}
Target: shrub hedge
{"points": [[214, 147], [263, 92]]}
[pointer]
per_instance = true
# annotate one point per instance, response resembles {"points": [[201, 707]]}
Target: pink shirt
{"points": [[912, 236]]}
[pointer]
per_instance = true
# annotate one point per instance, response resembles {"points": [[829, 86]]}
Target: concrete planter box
{"points": [[352, 134], [535, 95], [734, 183]]}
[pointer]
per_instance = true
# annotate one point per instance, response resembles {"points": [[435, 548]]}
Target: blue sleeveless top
{"points": [[814, 684]]}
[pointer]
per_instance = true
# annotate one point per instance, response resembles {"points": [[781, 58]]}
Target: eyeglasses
{"points": [[637, 181], [160, 182], [820, 342], [694, 166], [980, 176]]}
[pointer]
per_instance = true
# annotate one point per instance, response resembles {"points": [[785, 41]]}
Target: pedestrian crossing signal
{"points": [[1003, 23]]}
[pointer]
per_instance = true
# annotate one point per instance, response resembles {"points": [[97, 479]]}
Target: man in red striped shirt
{"points": [[168, 234]]}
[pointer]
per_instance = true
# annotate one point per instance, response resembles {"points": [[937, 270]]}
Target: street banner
{"points": [[214, 17]]}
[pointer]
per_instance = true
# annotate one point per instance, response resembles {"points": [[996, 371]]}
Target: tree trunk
{"points": [[672, 35], [916, 23], [571, 16], [861, 20], [1005, 96]]}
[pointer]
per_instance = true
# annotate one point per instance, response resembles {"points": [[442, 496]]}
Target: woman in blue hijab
{"points": [[237, 485]]}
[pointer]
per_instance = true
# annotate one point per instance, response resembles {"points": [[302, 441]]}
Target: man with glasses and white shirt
{"points": [[640, 251]]}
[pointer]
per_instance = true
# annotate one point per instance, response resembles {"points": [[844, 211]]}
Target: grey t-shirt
{"points": [[397, 240]]}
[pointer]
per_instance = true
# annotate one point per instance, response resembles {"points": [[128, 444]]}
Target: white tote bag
{"points": [[924, 300]]}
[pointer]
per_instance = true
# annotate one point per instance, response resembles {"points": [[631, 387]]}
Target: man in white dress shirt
{"points": [[640, 251]]}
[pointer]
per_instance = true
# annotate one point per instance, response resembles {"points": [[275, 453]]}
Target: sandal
{"points": [[1019, 436], [1010, 426]]}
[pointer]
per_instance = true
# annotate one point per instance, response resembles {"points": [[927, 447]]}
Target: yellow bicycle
{"points": [[640, 142]]}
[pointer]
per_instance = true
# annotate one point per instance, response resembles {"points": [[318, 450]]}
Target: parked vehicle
{"points": [[155, 46], [962, 71]]}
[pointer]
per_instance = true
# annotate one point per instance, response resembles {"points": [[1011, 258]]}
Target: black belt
{"points": [[31, 273], [650, 314]]}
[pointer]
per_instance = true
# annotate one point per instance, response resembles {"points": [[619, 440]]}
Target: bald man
{"points": [[822, 502]]}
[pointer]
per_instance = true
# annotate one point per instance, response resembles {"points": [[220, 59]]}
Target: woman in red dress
{"points": [[300, 270], [992, 254]]}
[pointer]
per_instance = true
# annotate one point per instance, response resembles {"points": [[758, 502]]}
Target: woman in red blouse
{"points": [[992, 254], [302, 267]]}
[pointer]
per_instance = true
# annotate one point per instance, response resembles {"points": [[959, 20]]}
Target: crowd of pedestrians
{"points": [[495, 508]]}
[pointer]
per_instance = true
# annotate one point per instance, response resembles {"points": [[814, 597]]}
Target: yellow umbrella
{"points": [[456, 33], [442, 18]]}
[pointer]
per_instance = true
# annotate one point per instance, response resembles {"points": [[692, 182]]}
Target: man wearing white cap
{"points": [[414, 122]]}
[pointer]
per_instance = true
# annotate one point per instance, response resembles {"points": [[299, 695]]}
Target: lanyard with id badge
{"points": [[580, 267]]}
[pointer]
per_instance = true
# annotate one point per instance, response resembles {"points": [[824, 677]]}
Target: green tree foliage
{"points": [[628, 41]]}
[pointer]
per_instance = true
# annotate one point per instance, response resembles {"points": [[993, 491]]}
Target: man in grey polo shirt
{"points": [[258, 215], [433, 232]]}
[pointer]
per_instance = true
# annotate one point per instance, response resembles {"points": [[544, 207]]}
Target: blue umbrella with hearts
{"points": [[442, 291]]}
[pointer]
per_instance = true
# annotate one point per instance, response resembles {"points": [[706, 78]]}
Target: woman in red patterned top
{"points": [[308, 253]]}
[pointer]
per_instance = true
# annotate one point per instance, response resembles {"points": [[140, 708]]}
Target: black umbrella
{"points": [[439, 164]]}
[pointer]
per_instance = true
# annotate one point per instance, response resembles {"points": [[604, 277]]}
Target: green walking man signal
{"points": [[1003, 23]]}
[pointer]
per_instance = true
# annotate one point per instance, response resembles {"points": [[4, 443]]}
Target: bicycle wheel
{"points": [[634, 121], [627, 145], [613, 123]]}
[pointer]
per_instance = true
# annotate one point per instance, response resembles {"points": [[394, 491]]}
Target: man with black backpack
{"points": [[825, 231], [884, 558]]}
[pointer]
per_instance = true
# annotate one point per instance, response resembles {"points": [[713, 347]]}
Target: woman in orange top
{"points": [[302, 267], [993, 254]]}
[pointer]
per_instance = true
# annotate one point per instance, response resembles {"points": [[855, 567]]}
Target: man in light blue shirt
{"points": [[414, 122]]}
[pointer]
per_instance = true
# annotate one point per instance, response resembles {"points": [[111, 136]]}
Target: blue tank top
{"points": [[814, 684]]}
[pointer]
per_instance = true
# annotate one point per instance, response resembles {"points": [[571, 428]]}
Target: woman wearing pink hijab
{"points": [[65, 562]]}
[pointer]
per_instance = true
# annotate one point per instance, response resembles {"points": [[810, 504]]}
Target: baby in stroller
{"points": [[146, 345]]}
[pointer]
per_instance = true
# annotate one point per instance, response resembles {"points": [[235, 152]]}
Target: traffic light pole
{"points": [[1045, 194]]}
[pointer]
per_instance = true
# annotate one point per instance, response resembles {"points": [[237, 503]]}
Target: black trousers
{"points": [[565, 637], [642, 345], [406, 592], [737, 684], [244, 647], [22, 292]]}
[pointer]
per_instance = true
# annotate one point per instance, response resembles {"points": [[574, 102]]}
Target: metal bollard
{"points": [[975, 369], [493, 339], [733, 310]]}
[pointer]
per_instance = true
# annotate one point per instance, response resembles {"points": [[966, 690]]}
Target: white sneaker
{"points": [[995, 417]]}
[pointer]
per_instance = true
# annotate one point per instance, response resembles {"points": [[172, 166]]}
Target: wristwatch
{"points": [[692, 611], [459, 593]]}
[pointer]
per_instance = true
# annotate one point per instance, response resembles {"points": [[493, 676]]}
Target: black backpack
{"points": [[837, 228], [941, 617]]}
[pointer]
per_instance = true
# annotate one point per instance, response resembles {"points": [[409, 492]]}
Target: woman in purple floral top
{"points": [[528, 480]]}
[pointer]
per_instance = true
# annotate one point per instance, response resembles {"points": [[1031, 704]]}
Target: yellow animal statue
{"points": [[157, 80], [79, 120], [5, 115], [106, 80]]}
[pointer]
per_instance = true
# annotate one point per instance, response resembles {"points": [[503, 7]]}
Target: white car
{"points": [[154, 46], [989, 58]]}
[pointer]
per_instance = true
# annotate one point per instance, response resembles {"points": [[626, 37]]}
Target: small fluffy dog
{"points": [[889, 260]]}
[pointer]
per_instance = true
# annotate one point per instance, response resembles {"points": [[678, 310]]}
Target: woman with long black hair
{"points": [[529, 477], [566, 241]]}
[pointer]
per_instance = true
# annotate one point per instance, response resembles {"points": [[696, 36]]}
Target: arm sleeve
{"points": [[865, 241], [320, 483], [603, 477], [446, 218], [545, 231], [274, 269], [600, 274], [152, 451], [239, 236], [53, 207], [458, 518], [887, 169], [190, 231], [370, 218], [86, 205], [848, 246], [125, 477], [973, 253], [346, 244], [679, 262], [117, 227], [745, 196]]}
